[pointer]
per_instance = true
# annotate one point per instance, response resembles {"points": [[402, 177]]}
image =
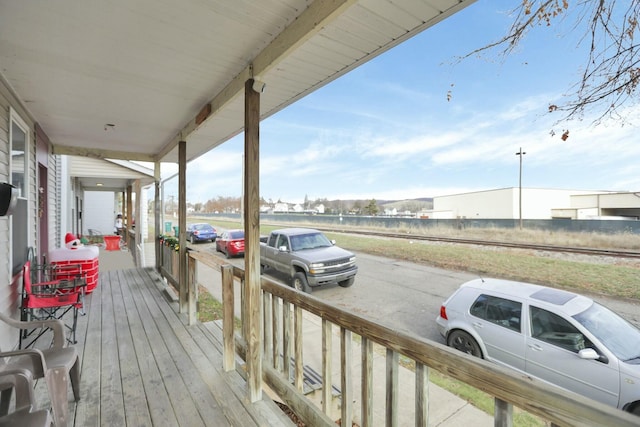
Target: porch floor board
{"points": [[143, 365]]}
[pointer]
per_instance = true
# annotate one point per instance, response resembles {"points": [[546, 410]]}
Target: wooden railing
{"points": [[283, 312], [169, 264], [132, 245]]}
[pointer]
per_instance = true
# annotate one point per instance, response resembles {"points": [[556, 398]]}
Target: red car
{"points": [[231, 243]]}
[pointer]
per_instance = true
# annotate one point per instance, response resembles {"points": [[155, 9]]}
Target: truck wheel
{"points": [[300, 283], [347, 283]]}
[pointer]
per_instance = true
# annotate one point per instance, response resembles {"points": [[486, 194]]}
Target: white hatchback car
{"points": [[561, 337]]}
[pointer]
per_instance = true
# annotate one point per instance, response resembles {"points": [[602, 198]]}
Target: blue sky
{"points": [[387, 130]]}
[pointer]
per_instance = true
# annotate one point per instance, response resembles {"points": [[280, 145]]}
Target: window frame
{"points": [[489, 300], [16, 224], [560, 338]]}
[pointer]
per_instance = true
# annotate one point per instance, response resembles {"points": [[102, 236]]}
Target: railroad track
{"points": [[549, 248]]}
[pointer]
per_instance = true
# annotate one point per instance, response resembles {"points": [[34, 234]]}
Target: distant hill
{"points": [[413, 205]]}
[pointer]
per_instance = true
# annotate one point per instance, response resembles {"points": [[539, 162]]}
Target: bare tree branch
{"points": [[611, 72]]}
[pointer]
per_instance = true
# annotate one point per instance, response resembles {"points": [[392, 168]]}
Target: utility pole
{"points": [[520, 153]]}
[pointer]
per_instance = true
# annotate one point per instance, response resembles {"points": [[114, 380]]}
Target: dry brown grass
{"points": [[619, 241]]}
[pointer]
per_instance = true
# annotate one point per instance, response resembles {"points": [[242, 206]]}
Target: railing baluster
{"points": [[266, 326], [228, 333], [422, 395], [192, 291], [367, 382], [392, 389], [243, 314], [277, 320], [326, 367], [346, 369], [503, 413], [297, 344], [286, 339]]}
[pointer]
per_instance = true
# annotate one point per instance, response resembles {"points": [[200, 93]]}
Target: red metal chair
{"points": [[51, 299]]}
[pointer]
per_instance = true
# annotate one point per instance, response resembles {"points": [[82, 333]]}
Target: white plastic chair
{"points": [[55, 364], [23, 414]]}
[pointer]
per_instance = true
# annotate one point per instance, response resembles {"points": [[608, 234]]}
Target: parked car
{"points": [[308, 257], [231, 243], [561, 337], [201, 232]]}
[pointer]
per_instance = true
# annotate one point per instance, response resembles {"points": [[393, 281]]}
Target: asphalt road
{"points": [[408, 296]]}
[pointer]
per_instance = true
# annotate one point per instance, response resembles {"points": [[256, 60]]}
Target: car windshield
{"points": [[203, 227], [236, 235], [618, 335], [309, 241]]}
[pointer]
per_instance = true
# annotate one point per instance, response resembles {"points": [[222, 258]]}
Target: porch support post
{"points": [[182, 225], [156, 213], [251, 199], [137, 231], [128, 217]]}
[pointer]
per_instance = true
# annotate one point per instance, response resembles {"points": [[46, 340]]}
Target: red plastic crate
{"points": [[71, 269]]}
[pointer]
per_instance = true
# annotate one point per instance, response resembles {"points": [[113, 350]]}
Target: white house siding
{"points": [[53, 195], [5, 244], [9, 294], [99, 211]]}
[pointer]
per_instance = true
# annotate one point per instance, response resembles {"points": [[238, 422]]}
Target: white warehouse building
{"points": [[537, 203]]}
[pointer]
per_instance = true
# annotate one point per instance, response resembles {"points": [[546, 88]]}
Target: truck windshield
{"points": [[309, 241]]}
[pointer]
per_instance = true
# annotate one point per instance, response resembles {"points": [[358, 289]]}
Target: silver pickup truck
{"points": [[308, 258]]}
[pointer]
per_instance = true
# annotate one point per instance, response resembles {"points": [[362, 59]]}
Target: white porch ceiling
{"points": [[108, 175], [149, 66]]}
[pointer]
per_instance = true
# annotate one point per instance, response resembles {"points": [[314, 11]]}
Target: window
{"points": [[553, 329], [501, 311], [282, 241], [19, 146], [18, 158]]}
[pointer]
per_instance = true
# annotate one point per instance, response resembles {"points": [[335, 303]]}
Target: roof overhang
{"points": [[128, 80], [108, 175]]}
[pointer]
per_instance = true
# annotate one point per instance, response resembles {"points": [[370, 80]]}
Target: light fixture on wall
{"points": [[258, 85], [8, 198]]}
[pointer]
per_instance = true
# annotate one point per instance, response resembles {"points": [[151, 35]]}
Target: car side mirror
{"points": [[591, 354], [333, 242], [283, 249]]}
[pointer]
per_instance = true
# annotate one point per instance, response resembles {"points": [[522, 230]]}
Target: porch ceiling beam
{"points": [[312, 20], [101, 154]]}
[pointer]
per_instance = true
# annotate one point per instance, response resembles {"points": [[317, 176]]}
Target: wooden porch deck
{"points": [[142, 365]]}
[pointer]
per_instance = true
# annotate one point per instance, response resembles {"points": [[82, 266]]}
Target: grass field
{"points": [[610, 276]]}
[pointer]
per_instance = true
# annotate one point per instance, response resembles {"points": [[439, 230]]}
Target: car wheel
{"points": [[464, 342], [347, 283], [218, 248], [262, 268], [635, 409], [300, 283], [192, 240], [226, 254]]}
